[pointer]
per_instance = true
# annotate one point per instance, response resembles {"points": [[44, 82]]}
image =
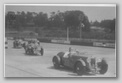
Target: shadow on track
{"points": [[66, 69]]}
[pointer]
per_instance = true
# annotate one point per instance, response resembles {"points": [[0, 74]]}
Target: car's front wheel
{"points": [[56, 62], [103, 67], [79, 68]]}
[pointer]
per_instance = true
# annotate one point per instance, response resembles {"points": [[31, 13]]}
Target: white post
{"points": [[80, 31], [67, 33], [81, 26]]}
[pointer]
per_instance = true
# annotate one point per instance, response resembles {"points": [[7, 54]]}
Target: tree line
{"points": [[57, 20], [77, 22]]}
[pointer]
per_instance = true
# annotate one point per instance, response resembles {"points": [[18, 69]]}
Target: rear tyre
{"points": [[56, 62], [79, 68], [42, 51]]}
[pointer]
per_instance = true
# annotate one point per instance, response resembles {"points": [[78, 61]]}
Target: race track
{"points": [[18, 64]]}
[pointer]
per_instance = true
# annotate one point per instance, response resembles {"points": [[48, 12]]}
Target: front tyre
{"points": [[103, 67], [56, 62], [79, 68]]}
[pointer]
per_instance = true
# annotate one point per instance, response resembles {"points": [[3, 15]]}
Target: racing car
{"points": [[18, 43], [6, 43], [80, 63], [32, 49]]}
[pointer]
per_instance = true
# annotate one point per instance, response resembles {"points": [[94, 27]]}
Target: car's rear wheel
{"points": [[79, 68], [56, 62]]}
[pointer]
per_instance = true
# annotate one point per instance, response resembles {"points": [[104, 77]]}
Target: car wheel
{"points": [[56, 62], [103, 68], [79, 68], [42, 51], [6, 47]]}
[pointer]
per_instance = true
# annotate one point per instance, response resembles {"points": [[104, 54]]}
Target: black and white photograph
{"points": [[60, 40]]}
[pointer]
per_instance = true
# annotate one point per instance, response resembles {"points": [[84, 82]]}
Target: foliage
{"points": [[59, 20], [108, 25], [55, 25], [75, 19]]}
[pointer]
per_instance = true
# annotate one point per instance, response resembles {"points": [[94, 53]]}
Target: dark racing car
{"points": [[81, 63]]}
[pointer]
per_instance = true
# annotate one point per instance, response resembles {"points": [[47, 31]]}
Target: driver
{"points": [[67, 54]]}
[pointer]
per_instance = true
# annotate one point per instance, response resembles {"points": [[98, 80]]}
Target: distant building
{"points": [[95, 28], [28, 33], [31, 24], [20, 34]]}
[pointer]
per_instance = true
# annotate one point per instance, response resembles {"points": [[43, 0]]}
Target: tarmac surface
{"points": [[18, 64]]}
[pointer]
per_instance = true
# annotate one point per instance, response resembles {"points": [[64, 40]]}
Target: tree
{"points": [[108, 24], [96, 23], [57, 20], [113, 25], [74, 19], [41, 19], [20, 21], [10, 19]]}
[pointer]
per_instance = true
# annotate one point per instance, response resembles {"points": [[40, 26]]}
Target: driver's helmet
{"points": [[71, 50]]}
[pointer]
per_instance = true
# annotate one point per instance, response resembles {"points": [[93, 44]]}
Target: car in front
{"points": [[80, 63]]}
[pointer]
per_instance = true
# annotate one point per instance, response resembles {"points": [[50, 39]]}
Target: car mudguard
{"points": [[80, 60]]}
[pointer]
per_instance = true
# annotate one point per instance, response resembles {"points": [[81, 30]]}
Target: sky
{"points": [[93, 12]]}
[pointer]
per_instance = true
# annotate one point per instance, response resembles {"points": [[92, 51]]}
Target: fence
{"points": [[72, 41]]}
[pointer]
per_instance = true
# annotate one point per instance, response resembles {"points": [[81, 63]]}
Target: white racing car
{"points": [[18, 43], [32, 48]]}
